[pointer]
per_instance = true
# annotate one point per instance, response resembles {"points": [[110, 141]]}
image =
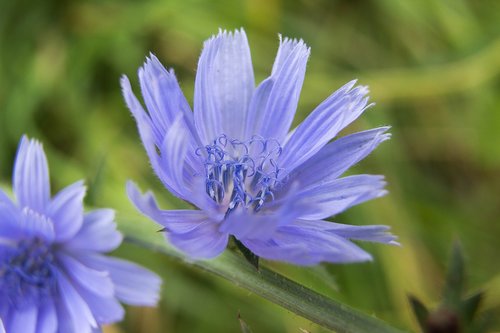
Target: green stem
{"points": [[272, 286]]}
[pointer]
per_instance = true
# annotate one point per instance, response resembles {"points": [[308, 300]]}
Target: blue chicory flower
{"points": [[54, 276], [237, 161]]}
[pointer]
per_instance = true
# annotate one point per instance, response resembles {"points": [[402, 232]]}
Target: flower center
{"points": [[242, 173], [26, 272]]}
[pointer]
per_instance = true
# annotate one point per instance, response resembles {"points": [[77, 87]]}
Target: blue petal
{"points": [[31, 176], [34, 224], [10, 219], [202, 242], [23, 320], [182, 221], [245, 224], [95, 281], [335, 158], [224, 86], [176, 143], [106, 310], [172, 158], [47, 317], [72, 307], [191, 231], [145, 203], [164, 99], [134, 284], [2, 328], [98, 232], [302, 246], [174, 220], [147, 136], [257, 107], [66, 211], [369, 233], [323, 124], [330, 198], [280, 93]]}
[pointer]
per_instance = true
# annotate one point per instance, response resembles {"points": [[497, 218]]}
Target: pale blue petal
{"points": [[147, 205], [11, 225], [47, 317], [336, 157], [105, 309], [245, 224], [172, 158], [282, 95], [191, 231], [95, 281], [182, 221], [165, 103], [2, 328], [98, 232], [307, 247], [323, 124], [164, 98], [23, 320], [134, 284], [224, 86], [167, 107], [34, 224], [65, 322], [333, 197], [171, 178], [369, 233], [66, 211], [31, 176], [202, 242], [257, 107], [147, 136], [79, 316]]}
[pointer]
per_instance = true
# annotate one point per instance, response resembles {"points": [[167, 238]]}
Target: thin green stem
{"points": [[272, 286]]}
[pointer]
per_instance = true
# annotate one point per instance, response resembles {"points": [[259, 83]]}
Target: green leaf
{"points": [[470, 306], [454, 278], [266, 283], [420, 311], [483, 324]]}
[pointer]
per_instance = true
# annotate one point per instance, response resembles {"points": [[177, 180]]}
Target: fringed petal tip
{"points": [[288, 42], [125, 85], [155, 68], [227, 35], [31, 183]]}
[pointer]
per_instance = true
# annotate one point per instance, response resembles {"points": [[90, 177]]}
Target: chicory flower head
{"points": [[54, 276], [237, 161]]}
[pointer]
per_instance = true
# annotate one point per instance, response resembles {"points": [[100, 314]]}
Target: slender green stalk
{"points": [[270, 285]]}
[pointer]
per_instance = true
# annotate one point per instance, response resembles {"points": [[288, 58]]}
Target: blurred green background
{"points": [[433, 67]]}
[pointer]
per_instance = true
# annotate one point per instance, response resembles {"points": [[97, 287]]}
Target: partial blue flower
{"points": [[54, 274], [249, 175]]}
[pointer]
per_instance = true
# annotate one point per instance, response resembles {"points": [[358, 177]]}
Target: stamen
{"points": [[241, 173]]}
